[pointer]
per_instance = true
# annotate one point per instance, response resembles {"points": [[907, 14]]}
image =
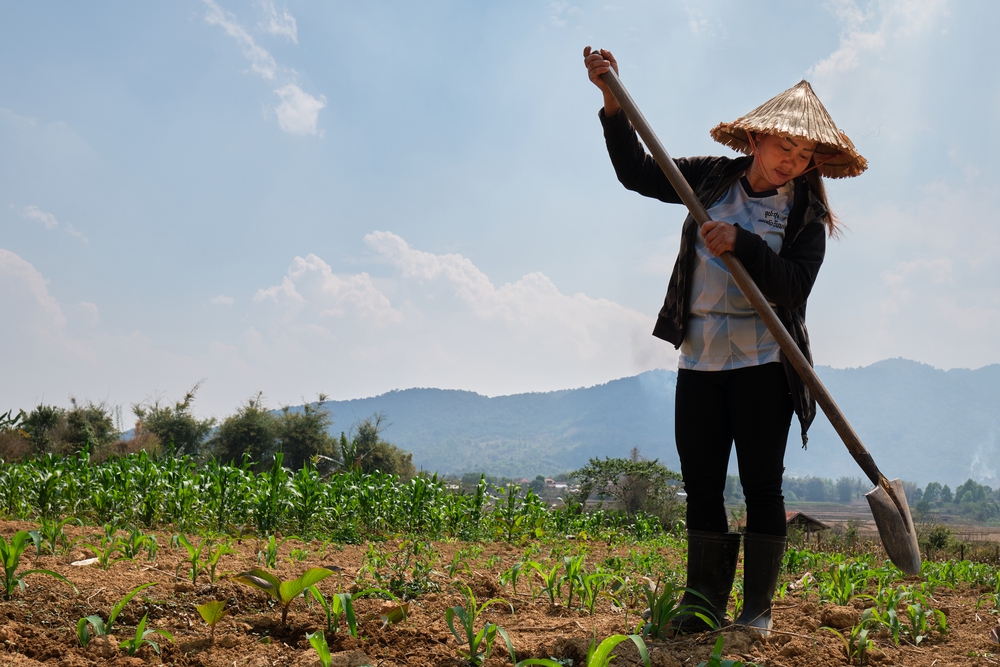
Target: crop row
{"points": [[348, 507]]}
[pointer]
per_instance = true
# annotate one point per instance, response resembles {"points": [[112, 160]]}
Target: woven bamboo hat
{"points": [[797, 112]]}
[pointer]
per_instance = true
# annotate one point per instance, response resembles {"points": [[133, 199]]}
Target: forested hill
{"points": [[920, 423]]}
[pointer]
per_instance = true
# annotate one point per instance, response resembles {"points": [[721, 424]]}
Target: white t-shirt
{"points": [[723, 331]]}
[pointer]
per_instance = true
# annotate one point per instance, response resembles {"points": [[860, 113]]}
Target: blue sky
{"points": [[351, 198]]}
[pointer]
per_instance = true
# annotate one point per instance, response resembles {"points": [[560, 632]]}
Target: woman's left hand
{"points": [[719, 237]]}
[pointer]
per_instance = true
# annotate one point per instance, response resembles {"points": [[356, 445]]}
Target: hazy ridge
{"points": [[920, 423]]}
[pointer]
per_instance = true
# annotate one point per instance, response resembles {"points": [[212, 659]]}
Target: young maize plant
{"points": [[598, 655], [716, 660], [101, 628], [343, 603], [318, 641], [664, 605], [10, 558], [284, 592], [480, 644], [132, 646]]}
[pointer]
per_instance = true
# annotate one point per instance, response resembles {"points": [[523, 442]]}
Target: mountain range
{"points": [[920, 424]]}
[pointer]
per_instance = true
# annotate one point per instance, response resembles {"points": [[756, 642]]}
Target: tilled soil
{"points": [[38, 625]]}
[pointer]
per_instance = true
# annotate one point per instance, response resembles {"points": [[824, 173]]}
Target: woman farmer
{"points": [[734, 385]]}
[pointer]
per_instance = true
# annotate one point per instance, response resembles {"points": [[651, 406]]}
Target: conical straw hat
{"points": [[797, 112]]}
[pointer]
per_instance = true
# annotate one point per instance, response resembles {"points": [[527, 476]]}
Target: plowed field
{"points": [[38, 625]]}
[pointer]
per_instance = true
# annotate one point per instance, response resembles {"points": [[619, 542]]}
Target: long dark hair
{"points": [[815, 182]]}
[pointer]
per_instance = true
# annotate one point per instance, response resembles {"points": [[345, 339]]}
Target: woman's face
{"points": [[779, 160]]}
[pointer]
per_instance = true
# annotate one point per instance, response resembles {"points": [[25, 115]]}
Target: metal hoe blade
{"points": [[895, 528]]}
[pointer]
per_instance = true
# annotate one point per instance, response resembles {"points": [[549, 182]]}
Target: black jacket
{"points": [[785, 278]]}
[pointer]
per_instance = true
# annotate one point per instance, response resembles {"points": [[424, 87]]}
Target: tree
{"points": [[816, 489], [734, 489], [637, 483], [305, 434], [946, 496], [60, 431], [913, 492], [176, 428], [971, 492], [41, 426], [932, 494], [14, 443], [252, 430], [367, 451], [845, 489], [88, 425]]}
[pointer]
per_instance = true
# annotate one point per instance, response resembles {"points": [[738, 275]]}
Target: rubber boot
{"points": [[711, 568], [762, 556]]}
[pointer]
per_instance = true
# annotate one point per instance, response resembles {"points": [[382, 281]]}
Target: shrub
{"points": [[176, 428], [252, 430]]}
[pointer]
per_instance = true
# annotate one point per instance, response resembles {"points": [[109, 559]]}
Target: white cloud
{"points": [[88, 311], [312, 281], [560, 11], [260, 60], [283, 24], [298, 111], [221, 300], [438, 320], [36, 325], [48, 220], [701, 26], [869, 30], [32, 212]]}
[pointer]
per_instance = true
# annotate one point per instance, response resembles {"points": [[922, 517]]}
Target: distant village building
{"points": [[805, 523]]}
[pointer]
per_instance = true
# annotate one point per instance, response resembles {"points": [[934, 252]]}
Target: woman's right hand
{"points": [[599, 62]]}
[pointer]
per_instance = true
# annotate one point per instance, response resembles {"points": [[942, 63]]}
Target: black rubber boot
{"points": [[762, 555], [711, 568]]}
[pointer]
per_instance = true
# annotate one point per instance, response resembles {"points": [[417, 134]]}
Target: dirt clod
{"points": [[840, 618]]}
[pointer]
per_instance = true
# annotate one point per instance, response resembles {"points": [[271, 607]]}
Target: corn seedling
{"points": [[511, 575], [10, 557], [856, 643], [138, 542], [53, 535], [737, 597], [343, 603], [269, 554], [298, 555], [664, 605], [194, 556], [597, 655], [212, 613], [214, 554], [108, 551], [318, 641], [919, 628], [590, 589], [458, 562], [480, 644], [842, 582], [716, 660], [284, 592], [132, 646], [551, 581], [573, 576], [101, 628]]}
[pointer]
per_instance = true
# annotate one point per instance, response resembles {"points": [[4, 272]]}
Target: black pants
{"points": [[751, 406]]}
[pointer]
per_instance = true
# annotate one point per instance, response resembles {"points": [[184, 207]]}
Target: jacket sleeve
{"points": [[785, 279], [637, 170]]}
